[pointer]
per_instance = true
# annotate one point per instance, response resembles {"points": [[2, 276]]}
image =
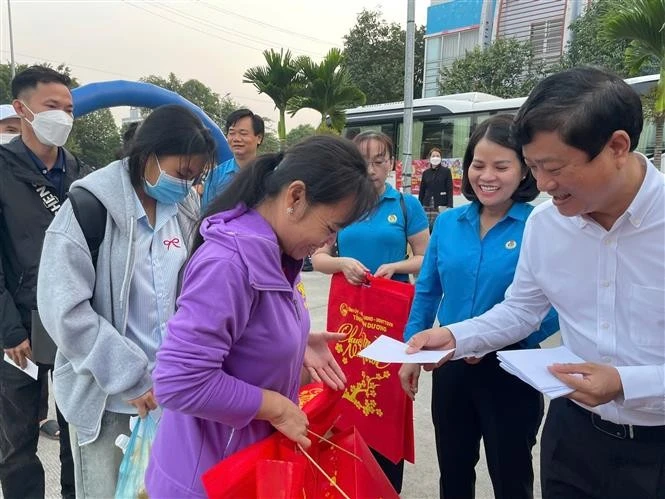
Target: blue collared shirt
{"points": [[218, 178], [463, 275], [382, 236], [159, 253], [55, 175]]}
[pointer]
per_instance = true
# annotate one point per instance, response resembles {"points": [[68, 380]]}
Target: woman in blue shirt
{"points": [[470, 261], [378, 244]]}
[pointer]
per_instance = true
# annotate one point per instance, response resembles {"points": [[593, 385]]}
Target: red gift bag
{"points": [[348, 461], [373, 401]]}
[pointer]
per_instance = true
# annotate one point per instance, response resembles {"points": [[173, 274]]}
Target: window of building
{"points": [[547, 38], [441, 51]]}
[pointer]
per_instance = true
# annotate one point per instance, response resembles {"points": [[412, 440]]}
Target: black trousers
{"points": [[580, 460], [21, 471], [470, 402], [394, 472]]}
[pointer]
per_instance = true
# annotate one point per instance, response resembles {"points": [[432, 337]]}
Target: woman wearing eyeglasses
{"points": [[379, 243]]}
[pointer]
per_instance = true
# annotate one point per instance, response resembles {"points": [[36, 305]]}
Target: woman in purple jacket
{"points": [[228, 371]]}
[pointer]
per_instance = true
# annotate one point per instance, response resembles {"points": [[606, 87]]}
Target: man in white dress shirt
{"points": [[596, 252]]}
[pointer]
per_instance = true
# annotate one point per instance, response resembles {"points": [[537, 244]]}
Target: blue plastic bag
{"points": [[131, 476]]}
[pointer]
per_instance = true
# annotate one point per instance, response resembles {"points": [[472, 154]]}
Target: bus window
{"points": [[647, 143], [449, 133], [416, 139]]}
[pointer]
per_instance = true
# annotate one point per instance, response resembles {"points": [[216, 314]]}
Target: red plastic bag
{"points": [[373, 401]]}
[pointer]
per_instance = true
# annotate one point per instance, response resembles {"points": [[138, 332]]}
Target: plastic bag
{"points": [[135, 462]]}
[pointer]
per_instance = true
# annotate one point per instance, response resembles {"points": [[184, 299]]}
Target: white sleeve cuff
{"points": [[643, 388]]}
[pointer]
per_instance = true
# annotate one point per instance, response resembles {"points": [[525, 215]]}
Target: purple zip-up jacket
{"points": [[241, 326]]}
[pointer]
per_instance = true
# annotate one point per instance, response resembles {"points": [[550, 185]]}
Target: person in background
{"points": [[109, 319], [476, 399], [244, 132], [36, 172], [228, 372], [10, 124], [378, 244], [595, 252], [436, 187], [127, 137]]}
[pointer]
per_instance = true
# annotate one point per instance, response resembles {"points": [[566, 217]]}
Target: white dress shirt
{"points": [[609, 290]]}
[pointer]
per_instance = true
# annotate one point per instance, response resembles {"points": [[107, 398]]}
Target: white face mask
{"points": [[6, 138], [51, 127], [435, 160]]}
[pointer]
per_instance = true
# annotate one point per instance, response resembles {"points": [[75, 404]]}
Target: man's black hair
{"points": [[585, 106], [257, 122], [29, 78]]}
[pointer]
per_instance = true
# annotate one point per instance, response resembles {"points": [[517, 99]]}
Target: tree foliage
{"points": [[216, 107], [374, 51], [299, 133], [327, 89], [279, 79], [642, 23], [507, 68], [95, 138]]}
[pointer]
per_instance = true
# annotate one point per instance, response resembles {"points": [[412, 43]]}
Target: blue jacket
{"points": [[463, 276]]}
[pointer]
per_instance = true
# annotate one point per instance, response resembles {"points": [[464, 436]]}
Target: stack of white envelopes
{"points": [[531, 367]]}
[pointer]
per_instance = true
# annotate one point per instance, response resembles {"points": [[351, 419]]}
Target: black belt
{"points": [[622, 431]]}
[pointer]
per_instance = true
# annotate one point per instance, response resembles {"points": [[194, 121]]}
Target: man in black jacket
{"points": [[35, 175]]}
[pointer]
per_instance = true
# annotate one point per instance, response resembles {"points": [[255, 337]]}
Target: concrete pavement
{"points": [[421, 478]]}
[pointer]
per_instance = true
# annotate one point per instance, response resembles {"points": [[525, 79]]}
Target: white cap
{"points": [[7, 111]]}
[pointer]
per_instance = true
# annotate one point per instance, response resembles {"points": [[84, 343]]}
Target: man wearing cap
{"points": [[35, 175], [10, 124]]}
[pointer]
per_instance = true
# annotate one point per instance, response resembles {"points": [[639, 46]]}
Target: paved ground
{"points": [[421, 479]]}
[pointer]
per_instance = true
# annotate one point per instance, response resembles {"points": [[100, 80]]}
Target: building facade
{"points": [[457, 26]]}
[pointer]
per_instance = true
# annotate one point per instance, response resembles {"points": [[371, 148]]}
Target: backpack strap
{"points": [[91, 216], [402, 204]]}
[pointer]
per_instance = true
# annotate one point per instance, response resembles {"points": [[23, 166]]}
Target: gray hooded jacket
{"points": [[85, 312]]}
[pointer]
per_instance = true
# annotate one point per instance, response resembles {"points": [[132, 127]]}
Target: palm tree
{"points": [[279, 79], [328, 89], [642, 22]]}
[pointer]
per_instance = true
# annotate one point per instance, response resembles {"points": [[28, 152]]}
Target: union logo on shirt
{"points": [[511, 244], [392, 218]]}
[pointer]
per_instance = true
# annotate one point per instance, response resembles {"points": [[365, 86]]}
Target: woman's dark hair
{"points": [[170, 130], [331, 168], [585, 106], [497, 129], [363, 138]]}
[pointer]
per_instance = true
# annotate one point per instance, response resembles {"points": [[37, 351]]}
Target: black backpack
{"points": [[91, 216]]}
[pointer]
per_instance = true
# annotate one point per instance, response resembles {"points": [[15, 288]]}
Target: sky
{"points": [[214, 41]]}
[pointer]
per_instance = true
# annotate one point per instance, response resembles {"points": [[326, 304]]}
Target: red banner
{"points": [[373, 401]]}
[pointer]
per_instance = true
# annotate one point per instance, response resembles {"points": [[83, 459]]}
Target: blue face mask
{"points": [[168, 189]]}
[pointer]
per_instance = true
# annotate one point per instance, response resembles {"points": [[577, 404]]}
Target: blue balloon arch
{"points": [[95, 96]]}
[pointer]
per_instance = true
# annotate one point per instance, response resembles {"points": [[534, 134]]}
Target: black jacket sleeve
{"points": [[12, 331], [423, 187]]}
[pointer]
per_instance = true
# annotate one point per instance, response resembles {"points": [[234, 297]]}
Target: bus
{"points": [[447, 122]]}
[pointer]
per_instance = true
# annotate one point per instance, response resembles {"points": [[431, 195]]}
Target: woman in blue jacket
{"points": [[470, 261]]}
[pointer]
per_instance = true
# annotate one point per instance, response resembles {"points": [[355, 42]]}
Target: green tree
{"points": [[95, 138], [216, 107], [328, 89], [299, 133], [507, 68], [374, 55], [590, 45], [279, 80], [642, 22]]}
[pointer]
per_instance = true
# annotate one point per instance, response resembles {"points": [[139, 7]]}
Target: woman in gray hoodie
{"points": [[108, 319]]}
